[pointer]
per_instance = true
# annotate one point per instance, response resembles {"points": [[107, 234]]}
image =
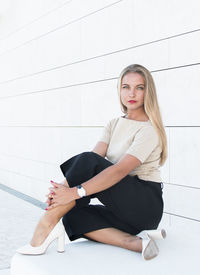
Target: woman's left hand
{"points": [[61, 195]]}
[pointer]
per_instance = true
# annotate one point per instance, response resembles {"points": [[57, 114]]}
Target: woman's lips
{"points": [[132, 101]]}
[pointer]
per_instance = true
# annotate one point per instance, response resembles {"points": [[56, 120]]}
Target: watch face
{"points": [[81, 191]]}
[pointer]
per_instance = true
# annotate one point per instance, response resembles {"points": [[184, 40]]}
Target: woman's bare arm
{"points": [[102, 181], [109, 176], [101, 148]]}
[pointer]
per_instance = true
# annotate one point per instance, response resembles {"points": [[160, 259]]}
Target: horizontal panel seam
{"points": [[58, 28], [182, 185], [184, 217], [35, 20], [91, 82], [96, 57]]}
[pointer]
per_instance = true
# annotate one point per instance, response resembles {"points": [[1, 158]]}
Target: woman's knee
{"points": [[95, 156], [88, 154]]}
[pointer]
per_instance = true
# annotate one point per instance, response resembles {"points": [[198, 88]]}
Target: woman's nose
{"points": [[132, 92]]}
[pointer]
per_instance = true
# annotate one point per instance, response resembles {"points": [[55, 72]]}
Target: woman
{"points": [[127, 183]]}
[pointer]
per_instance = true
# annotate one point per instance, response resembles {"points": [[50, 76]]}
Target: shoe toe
{"points": [[24, 249], [150, 250]]}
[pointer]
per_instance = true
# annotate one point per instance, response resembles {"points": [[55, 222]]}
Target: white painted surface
{"points": [[17, 225], [185, 156], [87, 257]]}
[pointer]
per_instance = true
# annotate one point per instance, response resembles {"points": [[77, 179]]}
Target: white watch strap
{"points": [[81, 191]]}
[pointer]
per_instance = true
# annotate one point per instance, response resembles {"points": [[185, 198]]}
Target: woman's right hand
{"points": [[51, 193], [49, 198]]}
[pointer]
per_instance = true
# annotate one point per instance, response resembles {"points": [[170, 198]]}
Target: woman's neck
{"points": [[136, 117]]}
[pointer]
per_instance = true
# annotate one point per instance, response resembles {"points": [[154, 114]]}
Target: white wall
{"points": [[59, 64]]}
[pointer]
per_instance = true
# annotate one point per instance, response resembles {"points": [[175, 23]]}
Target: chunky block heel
{"points": [[61, 243], [155, 234]]}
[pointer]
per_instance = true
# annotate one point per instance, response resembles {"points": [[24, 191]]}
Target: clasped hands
{"points": [[59, 195]]}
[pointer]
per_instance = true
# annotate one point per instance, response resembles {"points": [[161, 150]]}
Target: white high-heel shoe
{"points": [[58, 232], [149, 248], [157, 234]]}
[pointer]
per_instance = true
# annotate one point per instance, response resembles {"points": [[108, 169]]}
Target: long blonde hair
{"points": [[151, 106]]}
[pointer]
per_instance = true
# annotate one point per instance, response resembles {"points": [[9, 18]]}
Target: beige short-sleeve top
{"points": [[137, 138]]}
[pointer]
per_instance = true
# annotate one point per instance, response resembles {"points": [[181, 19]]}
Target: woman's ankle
{"points": [[44, 227]]}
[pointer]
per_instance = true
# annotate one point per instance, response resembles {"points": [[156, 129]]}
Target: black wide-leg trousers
{"points": [[131, 205]]}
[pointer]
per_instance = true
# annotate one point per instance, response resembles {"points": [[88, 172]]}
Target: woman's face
{"points": [[132, 89]]}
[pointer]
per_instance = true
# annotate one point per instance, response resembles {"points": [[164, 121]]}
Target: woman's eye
{"points": [[137, 88]]}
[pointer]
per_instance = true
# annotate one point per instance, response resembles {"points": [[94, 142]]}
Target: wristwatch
{"points": [[81, 191]]}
